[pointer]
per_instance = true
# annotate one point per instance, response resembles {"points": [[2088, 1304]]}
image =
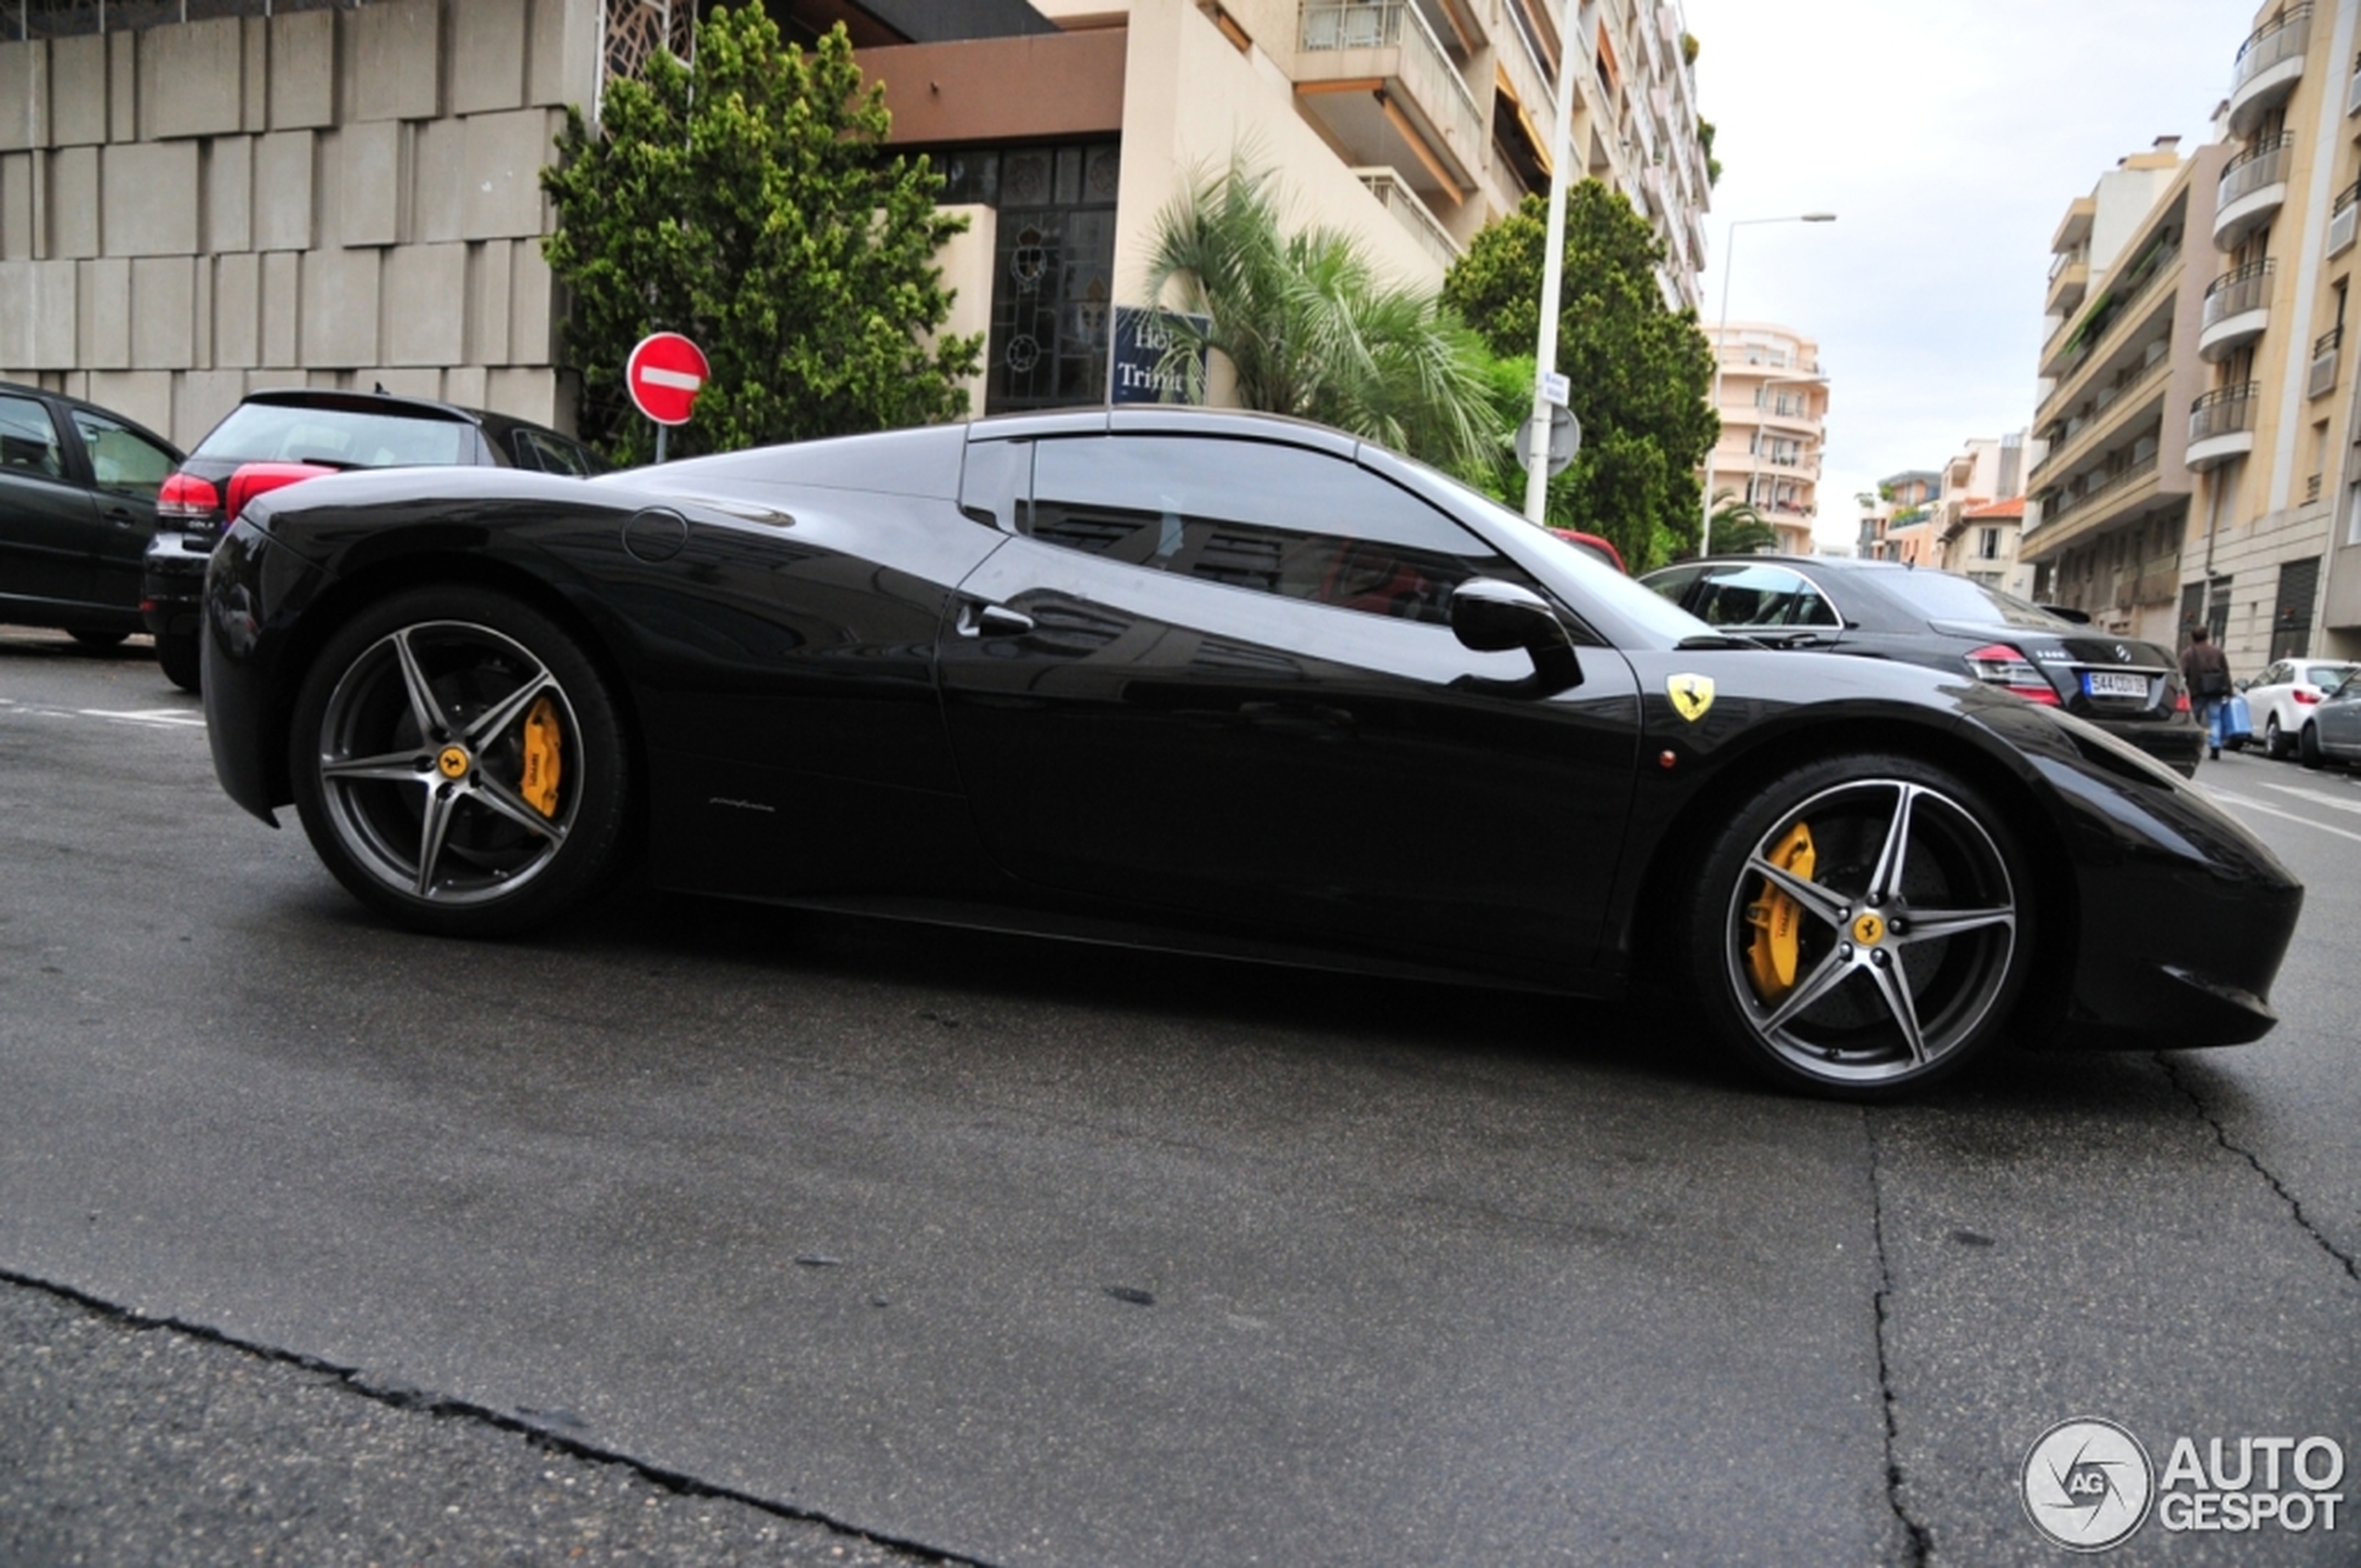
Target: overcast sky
{"points": [[1947, 136]]}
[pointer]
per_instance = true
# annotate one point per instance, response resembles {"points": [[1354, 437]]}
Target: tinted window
{"points": [[1759, 595], [277, 432], [29, 439], [551, 455], [1939, 596], [121, 458], [1251, 515]]}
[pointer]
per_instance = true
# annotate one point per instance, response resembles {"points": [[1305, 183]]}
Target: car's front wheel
{"points": [[1862, 927], [459, 764], [176, 655], [2307, 747]]}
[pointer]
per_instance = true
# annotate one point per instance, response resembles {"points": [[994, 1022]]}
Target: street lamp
{"points": [[1721, 330]]}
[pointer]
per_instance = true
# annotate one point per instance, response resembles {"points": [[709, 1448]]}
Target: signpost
{"points": [[1139, 343], [663, 375], [1565, 439]]}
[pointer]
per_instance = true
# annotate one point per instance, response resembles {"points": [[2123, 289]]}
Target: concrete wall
{"points": [[340, 197]]}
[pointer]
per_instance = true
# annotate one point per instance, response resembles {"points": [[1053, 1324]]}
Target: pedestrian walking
{"points": [[2205, 671]]}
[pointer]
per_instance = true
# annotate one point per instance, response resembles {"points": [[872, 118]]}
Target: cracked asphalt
{"points": [[700, 1233]]}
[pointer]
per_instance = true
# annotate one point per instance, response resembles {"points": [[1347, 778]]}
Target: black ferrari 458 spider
{"points": [[1216, 683]]}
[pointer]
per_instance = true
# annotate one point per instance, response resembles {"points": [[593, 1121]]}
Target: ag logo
{"points": [[2087, 1485], [1691, 695]]}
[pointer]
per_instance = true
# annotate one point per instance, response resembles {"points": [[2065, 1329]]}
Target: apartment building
{"points": [[1979, 512], [201, 197], [1896, 522], [2130, 300], [1774, 402], [2271, 559]]}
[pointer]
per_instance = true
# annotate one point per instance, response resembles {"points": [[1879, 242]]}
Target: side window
{"points": [[1759, 595], [121, 458], [549, 454], [29, 439], [1674, 582], [1259, 516]]}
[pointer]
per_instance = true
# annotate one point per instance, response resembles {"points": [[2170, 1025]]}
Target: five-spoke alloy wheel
{"points": [[458, 763], [1862, 927]]}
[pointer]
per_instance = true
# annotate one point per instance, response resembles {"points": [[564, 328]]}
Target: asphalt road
{"points": [[694, 1232]]}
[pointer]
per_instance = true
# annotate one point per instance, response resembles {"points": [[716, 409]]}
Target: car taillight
{"points": [[2305, 694], [1997, 664], [185, 498], [2180, 702], [257, 478]]}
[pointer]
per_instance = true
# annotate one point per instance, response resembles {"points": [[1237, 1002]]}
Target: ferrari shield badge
{"points": [[1691, 694]]}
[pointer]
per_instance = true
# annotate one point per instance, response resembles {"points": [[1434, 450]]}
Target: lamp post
{"points": [[1553, 244], [1720, 331]]}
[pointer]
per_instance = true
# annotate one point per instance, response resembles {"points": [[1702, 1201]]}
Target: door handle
{"points": [[991, 620], [120, 519]]}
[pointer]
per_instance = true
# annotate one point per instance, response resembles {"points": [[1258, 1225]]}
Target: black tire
{"points": [[176, 655], [97, 639], [411, 748], [1874, 1001], [2307, 747], [2275, 743]]}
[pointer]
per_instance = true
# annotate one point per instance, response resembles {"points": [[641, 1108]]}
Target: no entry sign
{"points": [[664, 374]]}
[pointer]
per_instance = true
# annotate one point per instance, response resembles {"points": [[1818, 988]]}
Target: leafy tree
{"points": [[1640, 372], [1739, 528], [747, 202], [1310, 326]]}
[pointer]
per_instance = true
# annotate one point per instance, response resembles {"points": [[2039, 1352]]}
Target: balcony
{"points": [[2342, 216], [2103, 495], [2270, 63], [1380, 81], [2238, 307], [2321, 379], [2069, 282], [2254, 186], [1411, 213], [2135, 396], [2221, 424], [2125, 298]]}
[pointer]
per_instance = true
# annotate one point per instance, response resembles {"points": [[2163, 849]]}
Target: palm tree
{"points": [[1738, 528], [1309, 327]]}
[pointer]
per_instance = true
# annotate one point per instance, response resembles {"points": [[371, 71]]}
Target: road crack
{"points": [[443, 1407], [1921, 1540], [2222, 1136]]}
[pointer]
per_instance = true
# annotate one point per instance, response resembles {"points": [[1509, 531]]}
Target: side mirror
{"points": [[1491, 617]]}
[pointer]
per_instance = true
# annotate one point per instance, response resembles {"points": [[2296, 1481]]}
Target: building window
{"points": [[1053, 270], [1988, 544]]}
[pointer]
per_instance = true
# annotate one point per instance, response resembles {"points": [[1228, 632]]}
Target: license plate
{"points": [[2111, 683]]}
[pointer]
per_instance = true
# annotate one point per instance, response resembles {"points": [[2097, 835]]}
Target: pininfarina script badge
{"points": [[1691, 695]]}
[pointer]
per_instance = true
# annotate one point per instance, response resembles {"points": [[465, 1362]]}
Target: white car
{"points": [[2283, 696]]}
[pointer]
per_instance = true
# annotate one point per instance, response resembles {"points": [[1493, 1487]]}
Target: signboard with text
{"points": [[1139, 345]]}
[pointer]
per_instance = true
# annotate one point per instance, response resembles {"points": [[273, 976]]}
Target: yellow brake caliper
{"points": [[544, 758], [1777, 919]]}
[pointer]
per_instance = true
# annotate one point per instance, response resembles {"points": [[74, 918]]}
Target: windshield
{"points": [[1642, 607], [278, 432], [1940, 595]]}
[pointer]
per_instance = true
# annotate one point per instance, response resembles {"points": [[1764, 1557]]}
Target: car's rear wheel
{"points": [[2274, 744], [97, 637], [176, 656], [1862, 927], [2307, 747], [459, 764]]}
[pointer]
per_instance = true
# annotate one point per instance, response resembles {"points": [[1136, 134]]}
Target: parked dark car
{"points": [[278, 437], [1209, 681], [2331, 729], [78, 506], [1916, 614]]}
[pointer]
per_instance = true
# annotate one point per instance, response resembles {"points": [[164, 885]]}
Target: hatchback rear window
{"points": [[1940, 595], [277, 432], [2324, 675]]}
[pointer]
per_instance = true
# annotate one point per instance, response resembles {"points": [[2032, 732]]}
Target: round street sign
{"points": [[665, 374], [1565, 439]]}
